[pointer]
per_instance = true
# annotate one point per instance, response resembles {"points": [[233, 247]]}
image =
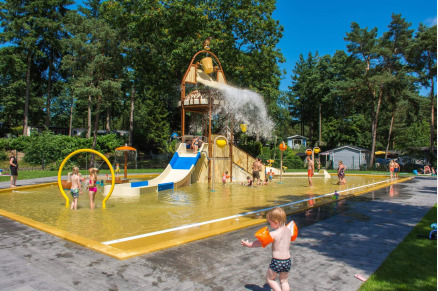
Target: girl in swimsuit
{"points": [[224, 178], [195, 144], [391, 168], [92, 187], [341, 173]]}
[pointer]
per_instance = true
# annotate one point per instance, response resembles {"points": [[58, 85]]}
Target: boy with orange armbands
{"points": [[281, 238]]}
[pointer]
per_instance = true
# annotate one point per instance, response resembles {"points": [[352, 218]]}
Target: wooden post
{"points": [[183, 113], [231, 150], [126, 164], [210, 145]]}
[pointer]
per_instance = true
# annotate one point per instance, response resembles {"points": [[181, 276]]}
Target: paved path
{"points": [[335, 242], [28, 182]]}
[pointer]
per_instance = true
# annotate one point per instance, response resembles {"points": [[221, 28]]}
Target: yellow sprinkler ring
{"points": [[113, 180]]}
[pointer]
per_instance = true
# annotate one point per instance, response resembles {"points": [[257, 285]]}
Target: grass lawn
{"points": [[412, 265], [23, 175]]}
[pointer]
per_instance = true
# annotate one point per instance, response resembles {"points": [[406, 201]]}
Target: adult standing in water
{"points": [[13, 165], [255, 171], [310, 170]]}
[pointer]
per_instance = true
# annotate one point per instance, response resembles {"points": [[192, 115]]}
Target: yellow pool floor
{"points": [[136, 225]]}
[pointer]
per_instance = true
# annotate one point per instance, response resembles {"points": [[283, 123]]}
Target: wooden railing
{"points": [[244, 160]]}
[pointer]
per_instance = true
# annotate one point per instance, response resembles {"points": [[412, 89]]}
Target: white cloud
{"points": [[431, 21]]}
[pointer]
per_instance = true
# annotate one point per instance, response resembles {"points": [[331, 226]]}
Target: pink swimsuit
{"points": [[94, 189]]}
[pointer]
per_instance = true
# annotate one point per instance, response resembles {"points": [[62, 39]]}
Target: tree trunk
{"points": [[320, 117], [49, 92], [390, 132], [131, 116], [375, 117], [89, 117], [26, 103], [96, 126], [108, 119], [71, 117], [432, 120], [71, 112]]}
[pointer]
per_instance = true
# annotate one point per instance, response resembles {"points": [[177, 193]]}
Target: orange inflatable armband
{"points": [[294, 229], [263, 236]]}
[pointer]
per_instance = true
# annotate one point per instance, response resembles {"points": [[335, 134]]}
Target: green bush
{"points": [[17, 131], [4, 144], [3, 155], [108, 143], [20, 143], [293, 161], [52, 149], [253, 149]]}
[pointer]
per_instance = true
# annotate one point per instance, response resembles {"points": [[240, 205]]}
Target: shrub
{"points": [[52, 148]]}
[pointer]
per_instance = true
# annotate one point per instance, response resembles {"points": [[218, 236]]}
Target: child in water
{"points": [[76, 187], [248, 182], [280, 263], [265, 182], [92, 186], [225, 177], [271, 175], [117, 171]]}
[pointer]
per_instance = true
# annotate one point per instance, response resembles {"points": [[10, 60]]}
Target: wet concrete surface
{"points": [[335, 242]]}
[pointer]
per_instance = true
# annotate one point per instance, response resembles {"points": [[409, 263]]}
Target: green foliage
{"points": [[4, 144], [96, 59], [415, 135], [292, 161], [51, 148], [254, 149], [20, 143], [108, 143], [17, 131], [3, 155]]}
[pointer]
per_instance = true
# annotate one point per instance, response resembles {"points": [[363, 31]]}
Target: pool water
{"points": [[157, 211]]}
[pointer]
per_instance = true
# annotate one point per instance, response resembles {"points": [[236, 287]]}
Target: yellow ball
{"points": [[221, 143]]}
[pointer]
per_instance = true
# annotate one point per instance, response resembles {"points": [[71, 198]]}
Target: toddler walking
{"points": [[280, 263], [225, 177]]}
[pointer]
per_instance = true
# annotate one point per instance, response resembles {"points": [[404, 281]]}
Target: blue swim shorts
{"points": [[74, 193], [280, 266]]}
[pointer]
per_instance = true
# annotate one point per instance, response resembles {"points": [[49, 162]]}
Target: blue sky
{"points": [[311, 26]]}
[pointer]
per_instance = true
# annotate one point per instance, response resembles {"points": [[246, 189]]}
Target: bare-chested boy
{"points": [[280, 263], [310, 170], [76, 187]]}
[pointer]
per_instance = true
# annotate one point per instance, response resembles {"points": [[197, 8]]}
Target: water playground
{"points": [[131, 226], [187, 201]]}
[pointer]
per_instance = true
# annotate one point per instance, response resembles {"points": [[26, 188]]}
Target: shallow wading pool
{"points": [[130, 226]]}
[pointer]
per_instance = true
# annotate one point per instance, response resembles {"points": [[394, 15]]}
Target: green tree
{"points": [[422, 56], [363, 44], [93, 61], [12, 84], [21, 22], [393, 45], [304, 93]]}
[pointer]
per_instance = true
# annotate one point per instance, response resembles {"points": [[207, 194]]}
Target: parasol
{"points": [[126, 149]]}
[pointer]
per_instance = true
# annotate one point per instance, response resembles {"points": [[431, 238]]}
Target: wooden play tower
{"points": [[204, 69]]}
